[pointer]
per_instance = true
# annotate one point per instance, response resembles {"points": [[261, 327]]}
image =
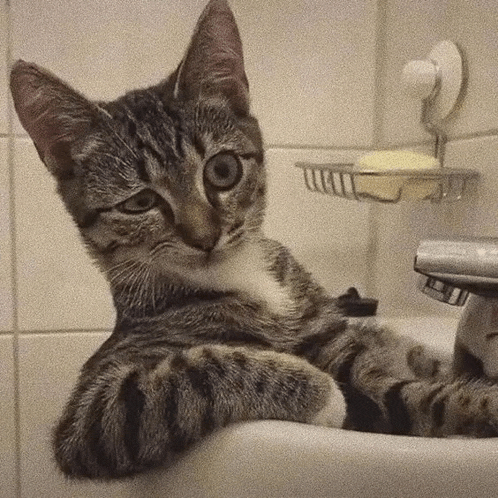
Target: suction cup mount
{"points": [[439, 81]]}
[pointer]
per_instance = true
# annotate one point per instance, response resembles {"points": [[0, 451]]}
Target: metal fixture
{"points": [[466, 271]]}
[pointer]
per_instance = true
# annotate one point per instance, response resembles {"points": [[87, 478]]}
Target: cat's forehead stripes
{"points": [[149, 128], [172, 143], [169, 143]]}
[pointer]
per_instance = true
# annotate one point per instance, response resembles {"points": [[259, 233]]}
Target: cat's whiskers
{"points": [[252, 227], [122, 268], [137, 285], [131, 294], [152, 292], [145, 288], [127, 275]]}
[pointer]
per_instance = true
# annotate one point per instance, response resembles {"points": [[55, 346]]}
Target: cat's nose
{"points": [[199, 227], [205, 240]]}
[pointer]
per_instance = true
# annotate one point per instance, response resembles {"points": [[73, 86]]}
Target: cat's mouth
{"points": [[231, 239], [182, 253], [221, 252]]}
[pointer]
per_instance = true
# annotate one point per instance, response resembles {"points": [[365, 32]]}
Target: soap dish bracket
{"points": [[340, 179], [440, 80]]}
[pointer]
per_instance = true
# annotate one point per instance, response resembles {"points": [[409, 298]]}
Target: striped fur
{"points": [[215, 323]]}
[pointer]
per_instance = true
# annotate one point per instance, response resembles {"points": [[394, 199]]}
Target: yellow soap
{"points": [[394, 187]]}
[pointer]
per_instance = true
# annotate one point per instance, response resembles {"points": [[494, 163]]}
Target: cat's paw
{"points": [[334, 411], [426, 364]]}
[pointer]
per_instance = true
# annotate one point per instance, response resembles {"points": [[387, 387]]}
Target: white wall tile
{"points": [[5, 246], [329, 236], [121, 45], [478, 215], [58, 285], [3, 68], [474, 26], [311, 65], [49, 365], [7, 434]]}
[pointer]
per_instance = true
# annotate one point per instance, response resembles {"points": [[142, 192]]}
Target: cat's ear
{"points": [[214, 64], [52, 113]]}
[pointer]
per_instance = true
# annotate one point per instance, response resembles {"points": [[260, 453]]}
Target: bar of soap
{"points": [[388, 188]]}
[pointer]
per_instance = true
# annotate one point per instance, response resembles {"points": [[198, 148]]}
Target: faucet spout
{"points": [[452, 271]]}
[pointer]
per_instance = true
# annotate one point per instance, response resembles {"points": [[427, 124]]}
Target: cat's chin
{"points": [[192, 264], [203, 260]]}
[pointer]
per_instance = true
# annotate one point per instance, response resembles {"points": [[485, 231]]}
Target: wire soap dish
{"points": [[343, 180]]}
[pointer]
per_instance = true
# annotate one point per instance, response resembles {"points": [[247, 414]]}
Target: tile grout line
{"points": [[29, 332], [14, 134], [270, 146], [14, 279], [378, 104], [338, 148], [492, 133], [377, 142]]}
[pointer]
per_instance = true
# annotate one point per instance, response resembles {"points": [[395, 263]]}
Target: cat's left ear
{"points": [[53, 114], [214, 64]]}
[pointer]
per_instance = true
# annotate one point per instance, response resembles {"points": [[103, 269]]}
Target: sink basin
{"points": [[284, 459]]}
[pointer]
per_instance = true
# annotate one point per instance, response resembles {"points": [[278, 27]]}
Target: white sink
{"points": [[283, 459]]}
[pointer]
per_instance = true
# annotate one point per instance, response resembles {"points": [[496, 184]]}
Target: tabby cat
{"points": [[215, 323]]}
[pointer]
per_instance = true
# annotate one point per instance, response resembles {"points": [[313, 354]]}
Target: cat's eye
{"points": [[223, 171], [139, 203]]}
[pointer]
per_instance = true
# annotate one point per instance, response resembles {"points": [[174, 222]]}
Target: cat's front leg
{"points": [[127, 418]]}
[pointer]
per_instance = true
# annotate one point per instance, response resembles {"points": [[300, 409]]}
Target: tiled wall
{"points": [[312, 71], [409, 31]]}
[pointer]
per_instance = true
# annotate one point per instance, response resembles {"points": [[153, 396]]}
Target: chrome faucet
{"points": [[465, 272]]}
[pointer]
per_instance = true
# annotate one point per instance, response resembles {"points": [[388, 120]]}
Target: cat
{"points": [[215, 323]]}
